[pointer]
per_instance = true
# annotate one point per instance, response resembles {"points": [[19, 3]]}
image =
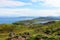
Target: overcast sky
{"points": [[16, 8]]}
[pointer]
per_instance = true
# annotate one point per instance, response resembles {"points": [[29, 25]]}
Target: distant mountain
{"points": [[27, 19], [38, 20], [47, 18], [17, 17]]}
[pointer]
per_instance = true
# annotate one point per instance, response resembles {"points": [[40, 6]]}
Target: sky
{"points": [[17, 8]]}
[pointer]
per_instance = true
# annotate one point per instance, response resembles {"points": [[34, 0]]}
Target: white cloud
{"points": [[12, 3], [54, 3], [36, 0], [28, 12]]}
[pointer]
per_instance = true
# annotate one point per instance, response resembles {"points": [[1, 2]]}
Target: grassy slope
{"points": [[32, 30]]}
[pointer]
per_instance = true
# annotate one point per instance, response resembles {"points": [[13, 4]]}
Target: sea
{"points": [[12, 20]]}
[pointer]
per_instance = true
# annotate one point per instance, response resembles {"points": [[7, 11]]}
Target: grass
{"points": [[37, 30], [3, 36]]}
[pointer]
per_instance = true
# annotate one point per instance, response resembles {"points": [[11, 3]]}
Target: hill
{"points": [[30, 30], [38, 20]]}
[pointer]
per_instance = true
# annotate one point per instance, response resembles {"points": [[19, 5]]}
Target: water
{"points": [[41, 22], [11, 20]]}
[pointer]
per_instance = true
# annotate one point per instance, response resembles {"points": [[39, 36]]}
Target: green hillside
{"points": [[48, 31]]}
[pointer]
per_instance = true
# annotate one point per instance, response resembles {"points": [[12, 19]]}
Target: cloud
{"points": [[36, 0], [53, 3], [12, 3], [28, 12]]}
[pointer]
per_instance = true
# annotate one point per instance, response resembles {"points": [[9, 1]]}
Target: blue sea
{"points": [[12, 20]]}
